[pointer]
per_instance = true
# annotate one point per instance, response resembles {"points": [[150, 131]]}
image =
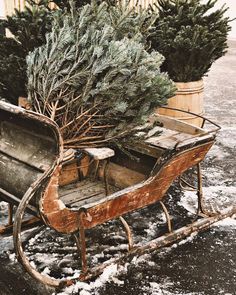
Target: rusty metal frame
{"points": [[185, 185], [168, 219], [82, 244], [10, 213], [128, 233], [218, 127], [201, 210]]}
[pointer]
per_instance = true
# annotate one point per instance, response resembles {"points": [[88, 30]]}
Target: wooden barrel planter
{"points": [[189, 97]]}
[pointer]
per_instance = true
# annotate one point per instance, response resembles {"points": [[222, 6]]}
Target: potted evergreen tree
{"points": [[191, 36], [28, 29]]}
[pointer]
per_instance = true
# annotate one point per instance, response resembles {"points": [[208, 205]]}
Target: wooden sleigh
{"points": [[71, 193]]}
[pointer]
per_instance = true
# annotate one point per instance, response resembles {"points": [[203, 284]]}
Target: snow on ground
{"points": [[109, 274], [157, 289], [3, 206], [217, 198]]}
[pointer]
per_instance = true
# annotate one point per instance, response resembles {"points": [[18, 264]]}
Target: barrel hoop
{"points": [[189, 91], [190, 117]]}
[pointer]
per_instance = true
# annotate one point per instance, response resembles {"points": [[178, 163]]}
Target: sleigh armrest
{"points": [[100, 153]]}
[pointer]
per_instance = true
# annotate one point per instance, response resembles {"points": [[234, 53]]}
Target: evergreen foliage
{"points": [[12, 69], [29, 28], [95, 78], [66, 3], [79, 3], [191, 36]]}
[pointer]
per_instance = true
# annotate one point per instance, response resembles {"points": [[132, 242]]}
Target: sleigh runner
{"points": [[77, 191]]}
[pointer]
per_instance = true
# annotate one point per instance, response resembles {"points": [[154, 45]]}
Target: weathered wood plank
{"points": [[72, 187], [11, 172], [177, 125], [27, 147], [69, 173], [121, 177], [83, 192], [100, 153], [170, 140]]}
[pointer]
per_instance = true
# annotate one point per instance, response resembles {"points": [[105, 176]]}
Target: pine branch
{"points": [[92, 77]]}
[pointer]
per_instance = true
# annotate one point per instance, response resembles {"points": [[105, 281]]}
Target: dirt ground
{"points": [[202, 264]]}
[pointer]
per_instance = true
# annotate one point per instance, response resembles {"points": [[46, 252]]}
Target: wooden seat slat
{"points": [[83, 192], [94, 198], [70, 188], [169, 142]]}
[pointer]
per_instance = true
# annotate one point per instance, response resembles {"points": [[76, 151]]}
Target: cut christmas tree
{"points": [[94, 78]]}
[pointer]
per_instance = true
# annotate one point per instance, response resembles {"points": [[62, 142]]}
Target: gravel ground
{"points": [[202, 264]]}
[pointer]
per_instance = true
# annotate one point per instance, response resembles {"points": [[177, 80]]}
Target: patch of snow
{"points": [[75, 273], [141, 259], [161, 217], [12, 257], [44, 258], [188, 239], [162, 289], [68, 270], [217, 153], [214, 175], [217, 198], [151, 230], [189, 201], [109, 274], [96, 257], [3, 206], [34, 239], [228, 128], [229, 139], [155, 289], [118, 247], [227, 222], [84, 292], [46, 271]]}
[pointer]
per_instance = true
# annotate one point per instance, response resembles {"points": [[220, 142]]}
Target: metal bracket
{"points": [[128, 232]]}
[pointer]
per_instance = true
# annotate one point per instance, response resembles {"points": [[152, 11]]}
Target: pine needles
{"points": [[191, 35], [94, 78], [29, 28]]}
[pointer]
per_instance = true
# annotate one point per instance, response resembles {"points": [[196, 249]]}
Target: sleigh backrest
{"points": [[29, 147]]}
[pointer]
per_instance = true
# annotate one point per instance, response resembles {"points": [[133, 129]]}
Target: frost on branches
{"points": [[95, 78]]}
